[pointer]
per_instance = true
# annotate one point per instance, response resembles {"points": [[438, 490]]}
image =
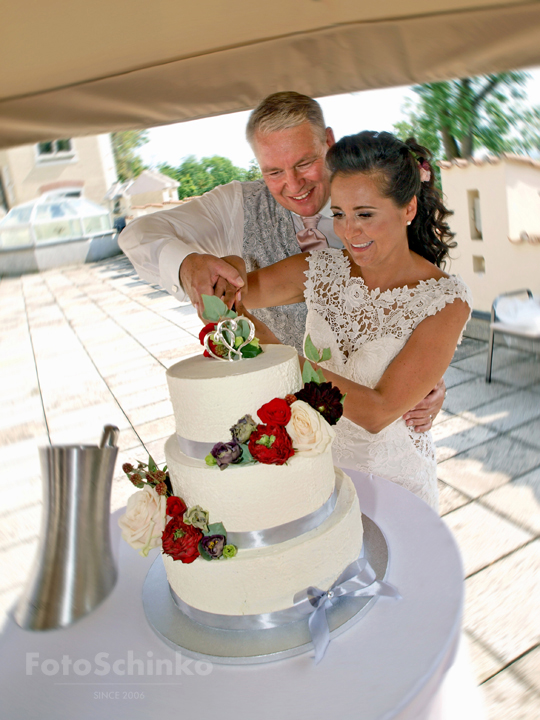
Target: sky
{"points": [[224, 135]]}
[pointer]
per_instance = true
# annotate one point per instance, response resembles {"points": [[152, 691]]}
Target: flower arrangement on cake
{"points": [[155, 517], [295, 425], [299, 424]]}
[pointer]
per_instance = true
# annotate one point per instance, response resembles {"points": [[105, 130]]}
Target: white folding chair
{"points": [[530, 332]]}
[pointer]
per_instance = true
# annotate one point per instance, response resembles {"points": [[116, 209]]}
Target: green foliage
{"points": [[199, 176], [309, 374], [215, 309], [456, 117], [128, 164]]}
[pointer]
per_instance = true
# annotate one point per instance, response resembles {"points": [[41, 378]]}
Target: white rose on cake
{"points": [[308, 430], [144, 521]]}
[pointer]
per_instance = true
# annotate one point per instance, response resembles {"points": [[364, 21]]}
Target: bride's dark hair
{"points": [[396, 166]]}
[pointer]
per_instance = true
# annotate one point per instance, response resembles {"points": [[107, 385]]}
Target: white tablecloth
{"points": [[389, 665]]}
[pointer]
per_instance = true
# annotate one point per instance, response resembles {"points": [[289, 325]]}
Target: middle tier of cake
{"points": [[252, 497], [266, 579]]}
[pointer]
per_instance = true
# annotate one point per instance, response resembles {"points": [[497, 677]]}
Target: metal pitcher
{"points": [[74, 568]]}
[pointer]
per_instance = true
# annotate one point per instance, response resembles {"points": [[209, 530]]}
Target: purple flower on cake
{"points": [[213, 544], [325, 398], [243, 429], [226, 453], [144, 520]]}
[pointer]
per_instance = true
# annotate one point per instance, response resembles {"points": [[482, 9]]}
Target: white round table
{"points": [[390, 665]]}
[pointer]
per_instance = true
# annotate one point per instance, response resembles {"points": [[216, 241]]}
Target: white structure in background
{"points": [[496, 204], [30, 170], [149, 192], [58, 228]]}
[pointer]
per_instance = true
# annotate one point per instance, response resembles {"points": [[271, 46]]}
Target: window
{"points": [[475, 218], [55, 150], [479, 264]]}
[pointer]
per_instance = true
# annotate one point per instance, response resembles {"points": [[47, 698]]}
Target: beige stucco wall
{"points": [[92, 162], [509, 205]]}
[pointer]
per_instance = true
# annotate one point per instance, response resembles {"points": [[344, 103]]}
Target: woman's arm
{"points": [[279, 284], [410, 376]]}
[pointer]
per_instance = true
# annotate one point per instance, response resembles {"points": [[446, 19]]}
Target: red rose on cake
{"points": [[181, 541], [176, 507], [213, 347], [275, 412], [271, 445]]}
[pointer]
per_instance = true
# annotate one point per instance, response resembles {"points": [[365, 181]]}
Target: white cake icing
{"points": [[252, 497], [266, 579], [209, 396]]}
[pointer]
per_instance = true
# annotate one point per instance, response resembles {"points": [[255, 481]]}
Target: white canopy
{"points": [[91, 66]]}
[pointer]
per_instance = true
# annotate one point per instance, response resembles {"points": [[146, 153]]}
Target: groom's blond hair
{"points": [[284, 110]]}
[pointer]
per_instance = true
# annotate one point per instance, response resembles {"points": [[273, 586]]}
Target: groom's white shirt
{"points": [[213, 223]]}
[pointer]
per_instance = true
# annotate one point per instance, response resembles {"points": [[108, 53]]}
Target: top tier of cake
{"points": [[209, 396]]}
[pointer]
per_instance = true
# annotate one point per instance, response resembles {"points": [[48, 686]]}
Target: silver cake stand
{"points": [[247, 647]]}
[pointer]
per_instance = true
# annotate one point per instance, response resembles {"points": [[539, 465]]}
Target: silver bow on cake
{"points": [[357, 580]]}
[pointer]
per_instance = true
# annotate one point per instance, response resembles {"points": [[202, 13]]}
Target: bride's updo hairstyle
{"points": [[397, 168]]}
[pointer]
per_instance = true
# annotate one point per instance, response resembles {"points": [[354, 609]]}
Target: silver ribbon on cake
{"points": [[250, 539], [225, 334], [357, 580]]}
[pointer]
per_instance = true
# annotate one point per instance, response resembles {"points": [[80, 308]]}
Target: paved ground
{"points": [[84, 346]]}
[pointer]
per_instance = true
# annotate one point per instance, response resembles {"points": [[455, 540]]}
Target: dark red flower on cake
{"points": [[271, 445], [325, 398], [181, 541], [275, 412], [176, 507]]}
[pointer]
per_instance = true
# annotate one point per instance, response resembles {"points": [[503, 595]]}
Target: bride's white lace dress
{"points": [[365, 330]]}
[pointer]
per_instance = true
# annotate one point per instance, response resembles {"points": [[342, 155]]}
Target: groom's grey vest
{"points": [[269, 236]]}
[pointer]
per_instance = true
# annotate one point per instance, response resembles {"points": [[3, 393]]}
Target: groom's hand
{"points": [[421, 417], [209, 275]]}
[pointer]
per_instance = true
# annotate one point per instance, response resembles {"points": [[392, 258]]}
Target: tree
{"points": [[456, 117], [199, 176], [128, 163]]}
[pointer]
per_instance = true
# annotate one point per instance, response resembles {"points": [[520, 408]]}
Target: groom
{"points": [[264, 221]]}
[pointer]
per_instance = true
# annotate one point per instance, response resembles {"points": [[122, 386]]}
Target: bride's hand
{"points": [[262, 331]]}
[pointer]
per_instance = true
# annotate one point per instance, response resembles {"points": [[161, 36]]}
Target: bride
{"points": [[389, 314]]}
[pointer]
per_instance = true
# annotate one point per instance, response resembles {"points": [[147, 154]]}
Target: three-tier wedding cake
{"points": [[295, 524]]}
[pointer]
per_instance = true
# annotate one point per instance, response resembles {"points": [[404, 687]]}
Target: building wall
{"points": [[92, 161], [509, 204]]}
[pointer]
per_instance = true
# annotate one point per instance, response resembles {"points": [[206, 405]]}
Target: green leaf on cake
{"points": [[251, 350], [310, 350], [204, 554], [216, 529], [326, 355], [215, 309], [247, 457], [152, 467], [309, 374], [243, 329]]}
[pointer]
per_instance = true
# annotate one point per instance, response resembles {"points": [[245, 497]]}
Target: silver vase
{"points": [[74, 569]]}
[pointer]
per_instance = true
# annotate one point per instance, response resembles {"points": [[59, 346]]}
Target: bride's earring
{"points": [[408, 222]]}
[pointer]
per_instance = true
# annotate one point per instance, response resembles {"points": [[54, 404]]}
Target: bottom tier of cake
{"points": [[267, 579]]}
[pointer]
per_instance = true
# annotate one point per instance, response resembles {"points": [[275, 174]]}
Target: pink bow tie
{"points": [[310, 238]]}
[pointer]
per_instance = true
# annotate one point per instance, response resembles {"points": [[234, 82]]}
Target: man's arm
{"points": [[209, 226]]}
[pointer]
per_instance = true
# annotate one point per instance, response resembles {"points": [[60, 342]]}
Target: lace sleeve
{"points": [[451, 288]]}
